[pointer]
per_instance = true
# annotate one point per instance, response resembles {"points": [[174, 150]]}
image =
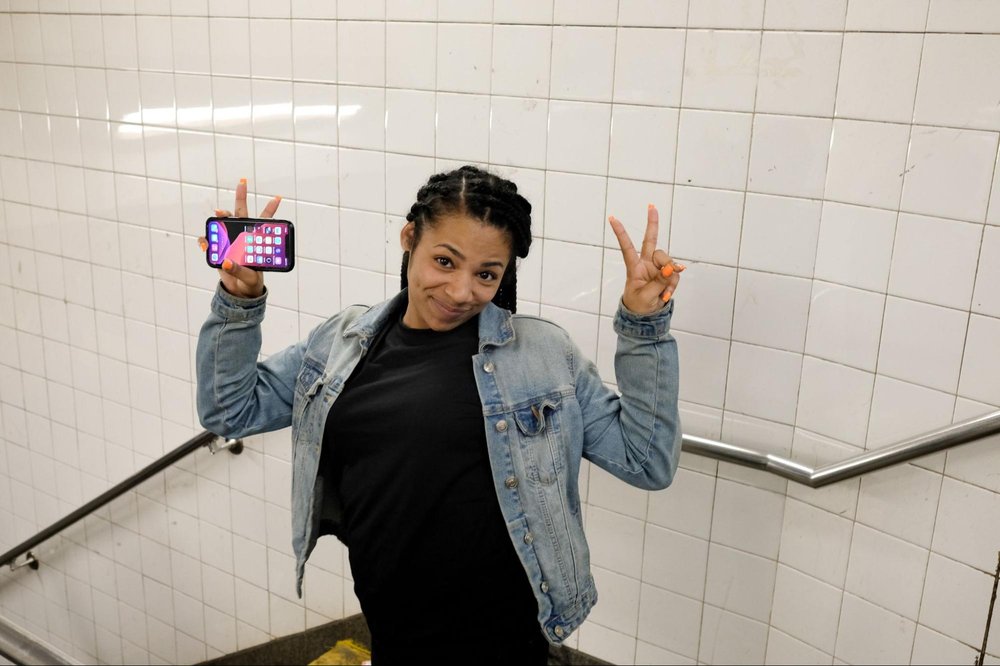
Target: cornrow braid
{"points": [[485, 196]]}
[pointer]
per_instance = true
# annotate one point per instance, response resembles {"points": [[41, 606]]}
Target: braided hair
{"points": [[486, 197]]}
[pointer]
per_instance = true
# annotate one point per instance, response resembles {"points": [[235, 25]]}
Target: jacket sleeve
{"points": [[237, 395], [635, 436]]}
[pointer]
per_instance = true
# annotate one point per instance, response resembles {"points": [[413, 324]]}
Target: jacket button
{"points": [[559, 631], [545, 586], [489, 367], [501, 426], [510, 482], [528, 538]]}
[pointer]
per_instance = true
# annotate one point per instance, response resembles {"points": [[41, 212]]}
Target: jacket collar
{"points": [[495, 324]]}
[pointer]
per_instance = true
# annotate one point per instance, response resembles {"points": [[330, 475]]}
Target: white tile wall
{"points": [[838, 219]]}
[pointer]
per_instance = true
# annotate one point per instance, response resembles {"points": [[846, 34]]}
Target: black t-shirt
{"points": [[406, 449]]}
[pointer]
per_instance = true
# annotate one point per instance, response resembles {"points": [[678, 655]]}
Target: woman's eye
{"points": [[444, 261], [486, 275]]}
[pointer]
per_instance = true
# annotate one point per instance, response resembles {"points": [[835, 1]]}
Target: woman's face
{"points": [[453, 272]]}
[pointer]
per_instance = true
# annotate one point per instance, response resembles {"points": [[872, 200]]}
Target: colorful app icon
{"points": [[215, 257], [277, 241]]}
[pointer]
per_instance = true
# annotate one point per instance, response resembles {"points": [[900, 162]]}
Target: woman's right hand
{"points": [[240, 280]]}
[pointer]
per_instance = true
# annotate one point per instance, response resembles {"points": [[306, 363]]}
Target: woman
{"points": [[440, 437]]}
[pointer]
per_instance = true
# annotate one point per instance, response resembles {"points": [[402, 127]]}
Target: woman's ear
{"points": [[406, 235]]}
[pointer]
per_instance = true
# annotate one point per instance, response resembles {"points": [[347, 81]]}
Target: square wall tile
{"points": [[887, 15], [973, 462], [886, 571], [834, 400], [709, 294], [845, 325], [957, 86], [705, 225], [662, 13], [463, 127], [669, 621], [583, 60], [791, 15], [934, 358], [518, 130], [783, 649], [714, 14], [901, 501], [687, 507], [410, 121], [713, 149], [568, 121], [973, 16], [950, 247], [867, 161], [739, 582], [720, 69], [361, 52], [770, 222], [980, 375], [643, 143], [572, 208], [962, 530], [616, 541], [571, 276], [314, 50], [674, 561], [870, 633], [815, 542], [463, 57], [728, 638], [798, 72], [771, 310], [521, 57], [855, 246], [706, 361], [622, 596], [362, 179], [985, 299], [648, 66], [954, 598], [788, 155], [747, 518], [901, 410], [931, 647], [314, 112], [885, 92], [598, 12], [361, 118], [411, 55], [763, 382], [948, 172], [806, 608]]}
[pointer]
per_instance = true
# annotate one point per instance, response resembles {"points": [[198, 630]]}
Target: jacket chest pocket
{"points": [[540, 431]]}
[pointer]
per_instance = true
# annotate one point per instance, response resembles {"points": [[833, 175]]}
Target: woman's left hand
{"points": [[651, 276]]}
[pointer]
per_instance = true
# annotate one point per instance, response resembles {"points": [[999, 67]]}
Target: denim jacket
{"points": [[544, 408]]}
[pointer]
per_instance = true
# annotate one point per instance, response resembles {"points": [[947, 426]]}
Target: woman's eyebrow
{"points": [[461, 256]]}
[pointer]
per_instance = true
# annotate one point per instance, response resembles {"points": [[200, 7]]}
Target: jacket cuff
{"points": [[235, 308], [653, 325]]}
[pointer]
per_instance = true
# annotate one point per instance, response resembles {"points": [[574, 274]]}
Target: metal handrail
{"points": [[914, 447], [205, 438]]}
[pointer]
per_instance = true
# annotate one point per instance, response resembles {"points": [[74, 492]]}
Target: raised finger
{"points": [[652, 232], [202, 243], [271, 208], [222, 213], [241, 198], [239, 271], [628, 249]]}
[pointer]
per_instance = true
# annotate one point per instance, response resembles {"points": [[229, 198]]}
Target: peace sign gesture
{"points": [[651, 276]]}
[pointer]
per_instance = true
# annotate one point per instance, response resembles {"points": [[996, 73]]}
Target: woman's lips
{"points": [[449, 312]]}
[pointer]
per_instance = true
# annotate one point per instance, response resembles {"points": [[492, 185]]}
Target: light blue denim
{"points": [[544, 408]]}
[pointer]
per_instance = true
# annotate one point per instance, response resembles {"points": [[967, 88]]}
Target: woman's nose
{"points": [[459, 289]]}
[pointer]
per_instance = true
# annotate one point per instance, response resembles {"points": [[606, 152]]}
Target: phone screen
{"points": [[261, 244]]}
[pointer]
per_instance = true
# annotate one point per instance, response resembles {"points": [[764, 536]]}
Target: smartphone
{"points": [[258, 243]]}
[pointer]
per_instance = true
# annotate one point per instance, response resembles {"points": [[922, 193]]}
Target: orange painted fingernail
{"points": [[667, 270], [243, 181], [203, 245], [666, 296], [227, 264], [649, 206], [278, 198]]}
